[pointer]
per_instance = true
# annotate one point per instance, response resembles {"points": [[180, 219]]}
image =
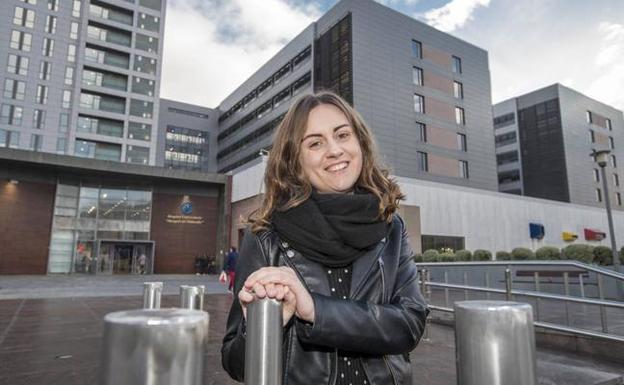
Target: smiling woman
{"points": [[351, 305]]}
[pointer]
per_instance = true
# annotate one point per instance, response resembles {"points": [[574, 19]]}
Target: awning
{"points": [[594, 235]]}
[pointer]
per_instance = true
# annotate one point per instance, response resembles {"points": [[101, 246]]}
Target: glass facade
{"points": [[100, 230]]}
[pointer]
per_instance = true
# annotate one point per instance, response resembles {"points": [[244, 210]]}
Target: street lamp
{"points": [[601, 156]]}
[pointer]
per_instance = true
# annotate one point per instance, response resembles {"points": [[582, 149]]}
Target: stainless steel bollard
{"points": [[152, 291], [263, 349], [494, 343], [192, 297], [154, 347]]}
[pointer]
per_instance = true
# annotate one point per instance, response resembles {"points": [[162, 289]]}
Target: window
{"points": [[24, 17], [461, 142], [71, 53], [417, 49], [48, 47], [14, 89], [149, 23], [589, 117], [67, 95], [9, 138], [459, 116], [53, 5], [505, 139], [618, 199], [608, 124], [97, 150], [42, 94], [596, 175], [419, 103], [63, 122], [44, 70], [463, 169], [10, 114], [50, 26], [39, 119], [417, 76], [616, 180], [17, 65], [61, 144], [611, 143], [457, 65], [613, 162], [421, 132], [141, 108], [138, 155], [458, 90], [69, 75], [33, 2], [21, 40], [592, 137], [598, 195], [504, 120], [35, 142], [423, 164], [507, 157], [73, 31], [76, 8]]}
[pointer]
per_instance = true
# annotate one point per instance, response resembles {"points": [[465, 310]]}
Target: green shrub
{"points": [[603, 255], [418, 258], [447, 257], [503, 256], [431, 256], [463, 255], [582, 253], [522, 254], [481, 255], [548, 253]]}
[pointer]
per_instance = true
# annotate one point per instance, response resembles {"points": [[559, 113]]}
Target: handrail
{"points": [[601, 270]]}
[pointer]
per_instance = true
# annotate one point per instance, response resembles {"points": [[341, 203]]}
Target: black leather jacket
{"points": [[383, 320]]}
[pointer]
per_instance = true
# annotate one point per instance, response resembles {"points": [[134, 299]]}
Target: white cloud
{"points": [[211, 47], [453, 15], [609, 63]]}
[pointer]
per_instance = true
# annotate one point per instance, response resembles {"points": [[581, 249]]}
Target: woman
{"points": [[351, 303]]}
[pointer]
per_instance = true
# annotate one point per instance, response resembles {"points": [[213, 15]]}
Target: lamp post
{"points": [[600, 156]]}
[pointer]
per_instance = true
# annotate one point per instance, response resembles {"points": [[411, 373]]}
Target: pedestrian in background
{"points": [[229, 267], [352, 308]]}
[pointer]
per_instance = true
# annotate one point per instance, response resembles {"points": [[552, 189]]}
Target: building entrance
{"points": [[125, 257]]}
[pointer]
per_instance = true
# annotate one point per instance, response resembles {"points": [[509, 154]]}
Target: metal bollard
{"points": [[494, 343], [263, 349], [192, 297], [154, 347], [152, 291]]}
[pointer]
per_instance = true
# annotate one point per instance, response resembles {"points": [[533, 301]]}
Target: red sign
{"points": [[594, 235]]}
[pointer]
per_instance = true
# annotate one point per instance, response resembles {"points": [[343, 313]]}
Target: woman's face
{"points": [[330, 156]]}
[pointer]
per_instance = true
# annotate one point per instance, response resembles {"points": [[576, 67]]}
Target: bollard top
{"points": [[491, 305], [158, 284], [157, 317]]}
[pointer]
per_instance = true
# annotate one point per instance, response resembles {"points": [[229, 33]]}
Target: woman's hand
{"points": [[268, 277], [278, 292]]}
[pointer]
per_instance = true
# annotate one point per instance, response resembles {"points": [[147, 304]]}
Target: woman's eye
{"points": [[344, 135], [315, 144]]}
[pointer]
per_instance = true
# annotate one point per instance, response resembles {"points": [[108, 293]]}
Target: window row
{"points": [[423, 165], [417, 52], [110, 151], [618, 197], [421, 136], [419, 107], [268, 83], [614, 178], [593, 118], [418, 79], [593, 138]]}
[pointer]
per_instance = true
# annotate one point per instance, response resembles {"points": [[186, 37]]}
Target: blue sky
{"points": [[211, 46]]}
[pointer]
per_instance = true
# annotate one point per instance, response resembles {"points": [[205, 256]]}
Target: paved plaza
{"points": [[57, 340]]}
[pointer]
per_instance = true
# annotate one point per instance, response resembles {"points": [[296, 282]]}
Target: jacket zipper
{"points": [[383, 280], [368, 273], [394, 381]]}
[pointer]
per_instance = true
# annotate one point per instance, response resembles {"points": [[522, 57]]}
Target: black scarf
{"points": [[332, 229]]}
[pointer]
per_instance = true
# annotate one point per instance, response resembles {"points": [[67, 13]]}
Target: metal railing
{"points": [[581, 272]]}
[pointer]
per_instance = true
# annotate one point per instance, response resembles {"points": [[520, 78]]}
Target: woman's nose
{"points": [[334, 149]]}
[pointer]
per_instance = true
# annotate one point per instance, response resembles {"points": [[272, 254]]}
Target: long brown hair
{"points": [[286, 185]]}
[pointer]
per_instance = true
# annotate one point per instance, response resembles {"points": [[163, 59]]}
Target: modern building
{"points": [[187, 137], [543, 145], [81, 78], [425, 93], [63, 214]]}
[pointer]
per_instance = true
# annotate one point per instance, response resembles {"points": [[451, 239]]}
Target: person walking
{"points": [[229, 267], [352, 308]]}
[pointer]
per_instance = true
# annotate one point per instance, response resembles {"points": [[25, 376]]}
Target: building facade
{"points": [[82, 77], [543, 145], [187, 137], [424, 93], [62, 214]]}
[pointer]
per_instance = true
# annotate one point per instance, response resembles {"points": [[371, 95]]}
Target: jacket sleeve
{"points": [[369, 328], [252, 258]]}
